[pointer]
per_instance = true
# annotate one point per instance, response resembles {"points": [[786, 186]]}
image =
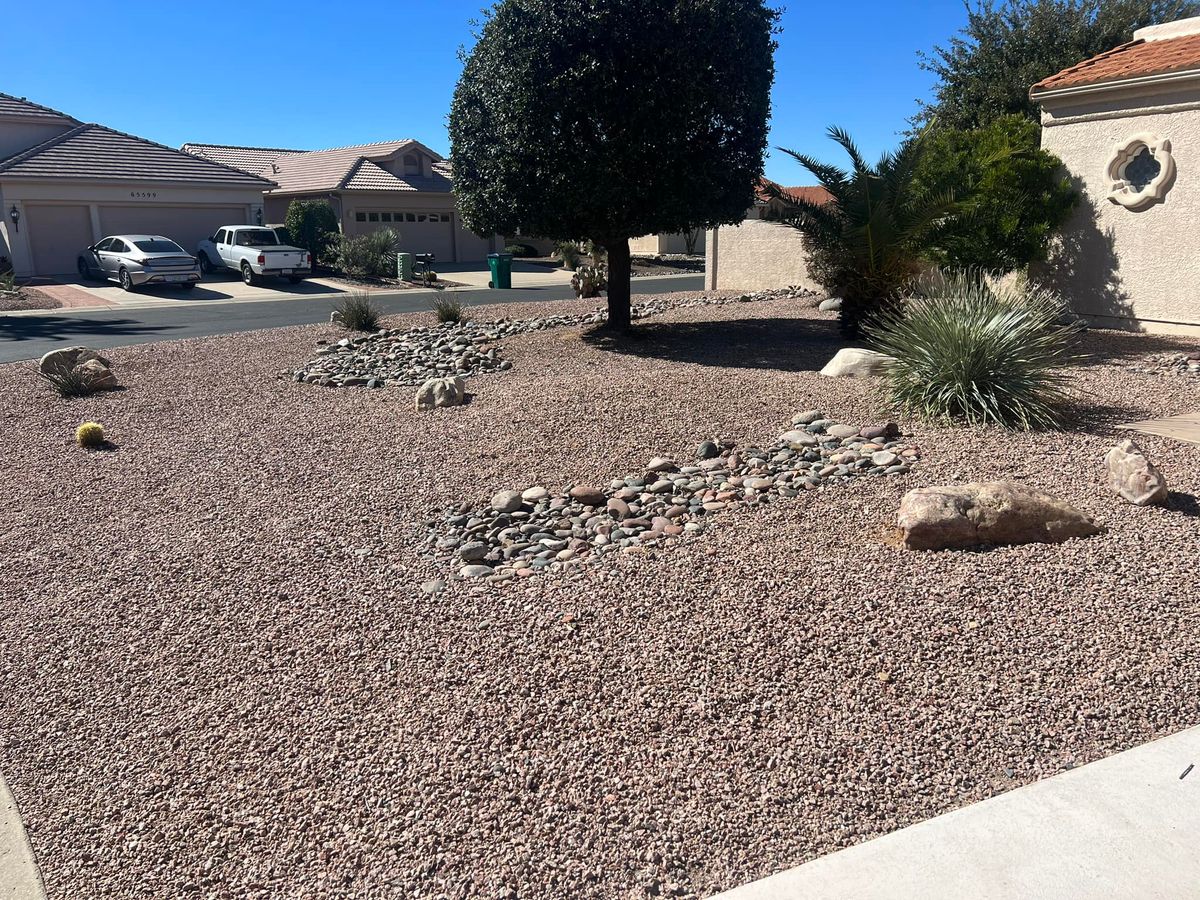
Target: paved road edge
{"points": [[20, 878]]}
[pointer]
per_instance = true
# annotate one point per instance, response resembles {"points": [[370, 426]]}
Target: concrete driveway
{"points": [[212, 288], [524, 275]]}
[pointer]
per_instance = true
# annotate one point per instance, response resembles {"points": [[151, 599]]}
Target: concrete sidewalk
{"points": [[19, 876], [1125, 827]]}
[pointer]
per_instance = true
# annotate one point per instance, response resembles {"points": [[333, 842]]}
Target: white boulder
{"points": [[439, 392], [855, 362]]}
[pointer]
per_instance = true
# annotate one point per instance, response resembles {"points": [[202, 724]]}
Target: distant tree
{"points": [[610, 119], [313, 225], [868, 242], [1012, 195], [986, 70]]}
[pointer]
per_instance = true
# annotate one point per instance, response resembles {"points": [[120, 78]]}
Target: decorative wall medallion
{"points": [[1141, 171]]}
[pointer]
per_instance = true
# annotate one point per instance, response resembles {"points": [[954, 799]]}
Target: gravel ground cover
{"points": [[222, 678], [27, 298]]}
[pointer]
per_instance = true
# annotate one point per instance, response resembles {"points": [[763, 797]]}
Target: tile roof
{"points": [[94, 152], [255, 160], [1135, 59], [354, 168], [11, 106], [811, 193]]}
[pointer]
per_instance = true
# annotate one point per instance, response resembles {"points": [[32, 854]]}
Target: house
{"points": [[64, 184], [401, 185], [1126, 124], [662, 244], [759, 253]]}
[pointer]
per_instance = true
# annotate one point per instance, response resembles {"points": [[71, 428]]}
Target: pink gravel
{"points": [[221, 677]]}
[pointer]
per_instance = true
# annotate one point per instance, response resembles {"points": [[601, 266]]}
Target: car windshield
{"points": [[158, 246], [259, 238]]}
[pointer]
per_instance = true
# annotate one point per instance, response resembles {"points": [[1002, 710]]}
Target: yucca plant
{"points": [[70, 382], [969, 349], [358, 313], [447, 309], [866, 243]]}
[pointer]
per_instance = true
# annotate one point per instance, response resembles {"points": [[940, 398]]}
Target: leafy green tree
{"points": [[611, 119], [313, 225], [867, 243], [986, 70], [1013, 195]]}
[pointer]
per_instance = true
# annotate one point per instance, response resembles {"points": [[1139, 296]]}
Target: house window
{"points": [[412, 164], [410, 217], [445, 217], [372, 217], [360, 217], [1141, 171], [385, 217]]}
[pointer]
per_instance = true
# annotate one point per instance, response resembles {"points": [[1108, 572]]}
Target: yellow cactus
{"points": [[89, 434]]}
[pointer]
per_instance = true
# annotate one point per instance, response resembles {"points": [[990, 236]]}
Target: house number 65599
{"points": [[143, 195]]}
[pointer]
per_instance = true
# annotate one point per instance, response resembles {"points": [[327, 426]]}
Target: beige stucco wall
{"points": [[756, 255], [1121, 267], [651, 244]]}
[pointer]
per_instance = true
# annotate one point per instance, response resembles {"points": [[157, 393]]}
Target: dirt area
{"points": [[222, 676], [27, 298]]}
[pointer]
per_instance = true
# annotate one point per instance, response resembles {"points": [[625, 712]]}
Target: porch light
{"points": [[15, 215], [258, 215]]}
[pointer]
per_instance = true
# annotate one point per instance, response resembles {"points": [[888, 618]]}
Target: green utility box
{"points": [[404, 266], [501, 266]]}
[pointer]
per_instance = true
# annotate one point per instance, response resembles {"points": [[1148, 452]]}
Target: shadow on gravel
{"points": [[786, 344], [1103, 345], [1187, 504], [34, 328]]}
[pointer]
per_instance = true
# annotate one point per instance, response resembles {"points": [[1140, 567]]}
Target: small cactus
{"points": [[90, 435]]}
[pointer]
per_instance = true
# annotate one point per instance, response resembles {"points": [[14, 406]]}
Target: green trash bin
{"points": [[501, 266], [404, 266]]}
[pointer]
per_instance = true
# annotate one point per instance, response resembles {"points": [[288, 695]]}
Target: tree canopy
{"points": [[612, 119], [986, 70]]}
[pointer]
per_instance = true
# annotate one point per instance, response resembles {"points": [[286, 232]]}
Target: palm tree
{"points": [[866, 243]]}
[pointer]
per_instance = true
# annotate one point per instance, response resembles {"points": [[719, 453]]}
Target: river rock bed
{"points": [[523, 532], [1183, 363], [411, 356]]}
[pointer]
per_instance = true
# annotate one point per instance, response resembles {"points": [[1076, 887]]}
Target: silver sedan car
{"points": [[133, 260]]}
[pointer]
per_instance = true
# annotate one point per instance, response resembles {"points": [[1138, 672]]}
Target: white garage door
{"points": [[185, 225], [420, 232], [57, 234]]}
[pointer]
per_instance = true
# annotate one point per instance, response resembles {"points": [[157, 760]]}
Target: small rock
{"points": [[587, 495], [476, 571], [798, 439], [841, 431], [830, 304], [441, 392], [1134, 477], [854, 362], [534, 494], [707, 450], [661, 464], [507, 501], [807, 417]]}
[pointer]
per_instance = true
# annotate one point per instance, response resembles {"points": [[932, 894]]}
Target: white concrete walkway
{"points": [[1125, 827], [19, 877]]}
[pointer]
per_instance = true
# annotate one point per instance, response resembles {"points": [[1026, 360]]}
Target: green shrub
{"points": [[370, 255], [448, 309], [8, 282], [69, 383], [589, 281], [358, 313], [971, 350], [1014, 195], [521, 250], [313, 225], [569, 253]]}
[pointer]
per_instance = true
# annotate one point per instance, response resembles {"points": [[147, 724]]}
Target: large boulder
{"points": [[83, 361], [68, 358], [955, 517], [439, 392], [854, 362], [1133, 476]]}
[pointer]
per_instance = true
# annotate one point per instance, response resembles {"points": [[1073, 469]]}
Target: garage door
{"points": [[56, 235], [420, 232], [185, 225]]}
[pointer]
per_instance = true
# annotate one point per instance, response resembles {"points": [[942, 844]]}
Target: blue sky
{"points": [[318, 74]]}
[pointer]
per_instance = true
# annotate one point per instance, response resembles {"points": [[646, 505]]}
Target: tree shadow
{"points": [[778, 343], [33, 328]]}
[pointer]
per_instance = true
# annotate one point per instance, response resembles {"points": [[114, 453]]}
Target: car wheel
{"points": [[124, 279], [84, 272], [206, 266], [248, 275]]}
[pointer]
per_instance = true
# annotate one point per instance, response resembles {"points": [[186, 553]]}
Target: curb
{"points": [[19, 875]]}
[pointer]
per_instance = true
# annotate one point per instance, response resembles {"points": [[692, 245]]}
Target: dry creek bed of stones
{"points": [[523, 532]]}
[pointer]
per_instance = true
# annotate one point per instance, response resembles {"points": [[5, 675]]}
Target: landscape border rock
{"points": [[856, 362], [1132, 476]]}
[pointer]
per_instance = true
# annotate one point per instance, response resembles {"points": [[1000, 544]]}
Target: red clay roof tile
{"points": [[1135, 59]]}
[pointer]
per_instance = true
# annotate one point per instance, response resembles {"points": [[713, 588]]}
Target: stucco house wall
{"points": [[756, 255], [653, 244], [1123, 267]]}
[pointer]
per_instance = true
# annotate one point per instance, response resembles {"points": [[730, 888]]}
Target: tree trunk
{"points": [[618, 284]]}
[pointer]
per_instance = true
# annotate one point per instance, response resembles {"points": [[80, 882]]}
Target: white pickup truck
{"points": [[253, 251]]}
